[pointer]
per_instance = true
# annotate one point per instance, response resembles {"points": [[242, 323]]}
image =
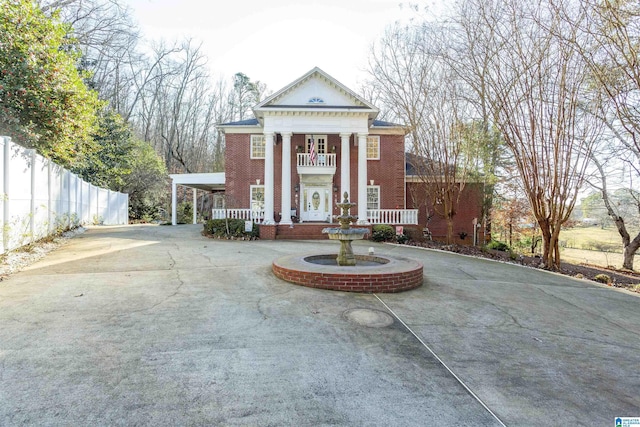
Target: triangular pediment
{"points": [[316, 89]]}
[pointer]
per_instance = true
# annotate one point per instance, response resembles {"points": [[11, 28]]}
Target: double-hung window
{"points": [[257, 198], [257, 146], [373, 147], [373, 197]]}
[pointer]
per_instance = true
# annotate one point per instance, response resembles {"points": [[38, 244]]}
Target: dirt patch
{"points": [[619, 278]]}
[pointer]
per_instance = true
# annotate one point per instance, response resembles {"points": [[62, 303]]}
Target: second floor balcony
{"points": [[322, 164]]}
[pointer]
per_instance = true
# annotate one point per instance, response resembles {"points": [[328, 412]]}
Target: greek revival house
{"points": [[287, 167], [307, 145]]}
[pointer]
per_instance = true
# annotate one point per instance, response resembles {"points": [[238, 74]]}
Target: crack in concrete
{"points": [[172, 263], [586, 310], [467, 274], [261, 300]]}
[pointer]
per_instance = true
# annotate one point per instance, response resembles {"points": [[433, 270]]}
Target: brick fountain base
{"points": [[372, 273]]}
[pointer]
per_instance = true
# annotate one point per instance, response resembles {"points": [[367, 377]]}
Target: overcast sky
{"points": [[275, 41]]}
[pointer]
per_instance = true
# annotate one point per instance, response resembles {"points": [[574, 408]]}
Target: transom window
{"points": [[373, 197], [373, 147], [257, 146]]}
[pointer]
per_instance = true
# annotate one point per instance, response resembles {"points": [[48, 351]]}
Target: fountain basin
{"points": [[379, 274], [337, 233]]}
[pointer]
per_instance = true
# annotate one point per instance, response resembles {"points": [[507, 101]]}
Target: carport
{"points": [[209, 182]]}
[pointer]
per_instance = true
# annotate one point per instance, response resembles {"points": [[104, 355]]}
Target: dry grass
{"points": [[579, 238]]}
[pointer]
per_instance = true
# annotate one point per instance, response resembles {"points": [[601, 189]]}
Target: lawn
{"points": [[594, 245]]}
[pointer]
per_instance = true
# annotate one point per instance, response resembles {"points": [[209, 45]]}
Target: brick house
{"points": [[308, 144]]}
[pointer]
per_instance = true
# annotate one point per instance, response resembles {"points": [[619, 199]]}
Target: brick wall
{"points": [[470, 207], [242, 171], [388, 172]]}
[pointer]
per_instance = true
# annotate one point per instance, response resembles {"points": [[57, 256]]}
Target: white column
{"points": [[195, 205], [286, 179], [174, 202], [345, 168], [362, 178], [268, 179]]}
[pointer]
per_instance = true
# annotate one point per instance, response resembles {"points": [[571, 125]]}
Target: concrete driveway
{"points": [[150, 325]]}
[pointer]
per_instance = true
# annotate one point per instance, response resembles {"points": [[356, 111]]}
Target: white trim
{"points": [[269, 182], [345, 166], [362, 179], [187, 179], [285, 192], [240, 129], [317, 72]]}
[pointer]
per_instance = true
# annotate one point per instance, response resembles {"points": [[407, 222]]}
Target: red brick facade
{"points": [[469, 208], [242, 171], [318, 104]]}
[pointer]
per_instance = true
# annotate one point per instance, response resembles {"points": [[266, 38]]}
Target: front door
{"points": [[315, 204]]}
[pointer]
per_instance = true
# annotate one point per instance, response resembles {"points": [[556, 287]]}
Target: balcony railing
{"points": [[393, 216], [322, 160], [245, 214]]}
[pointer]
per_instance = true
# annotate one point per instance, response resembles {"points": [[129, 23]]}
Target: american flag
{"points": [[312, 151]]}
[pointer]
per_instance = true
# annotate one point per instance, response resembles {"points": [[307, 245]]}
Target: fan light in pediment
{"points": [[315, 100]]}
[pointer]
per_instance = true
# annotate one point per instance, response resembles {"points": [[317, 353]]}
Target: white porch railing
{"points": [[322, 160], [393, 216], [374, 216], [245, 214]]}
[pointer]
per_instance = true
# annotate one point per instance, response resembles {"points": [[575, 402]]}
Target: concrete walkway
{"points": [[150, 325]]}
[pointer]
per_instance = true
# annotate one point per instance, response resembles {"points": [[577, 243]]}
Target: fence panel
{"points": [[40, 198], [40, 186]]}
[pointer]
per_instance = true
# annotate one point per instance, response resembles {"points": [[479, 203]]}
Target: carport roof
{"points": [[201, 181]]}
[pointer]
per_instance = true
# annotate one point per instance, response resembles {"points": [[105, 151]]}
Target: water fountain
{"points": [[345, 234], [349, 272]]}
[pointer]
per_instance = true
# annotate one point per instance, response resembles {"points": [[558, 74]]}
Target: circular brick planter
{"points": [[388, 274]]}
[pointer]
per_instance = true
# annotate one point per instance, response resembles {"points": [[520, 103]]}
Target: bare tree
{"points": [[608, 41], [538, 97], [422, 91], [108, 40], [180, 107]]}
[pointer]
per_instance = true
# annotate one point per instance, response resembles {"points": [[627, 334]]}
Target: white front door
{"points": [[315, 209]]}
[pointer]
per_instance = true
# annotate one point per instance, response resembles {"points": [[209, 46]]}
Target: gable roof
{"points": [[315, 91]]}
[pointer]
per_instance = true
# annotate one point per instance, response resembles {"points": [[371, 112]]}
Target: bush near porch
{"points": [[387, 233], [218, 228]]}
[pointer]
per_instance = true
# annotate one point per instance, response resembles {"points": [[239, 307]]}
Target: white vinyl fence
{"points": [[41, 198]]}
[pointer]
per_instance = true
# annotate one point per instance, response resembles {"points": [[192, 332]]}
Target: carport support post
{"points": [[195, 205], [174, 201]]}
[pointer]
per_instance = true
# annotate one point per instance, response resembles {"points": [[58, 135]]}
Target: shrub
{"points": [[602, 278], [383, 233], [595, 245], [402, 238], [184, 213], [218, 228], [498, 246]]}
